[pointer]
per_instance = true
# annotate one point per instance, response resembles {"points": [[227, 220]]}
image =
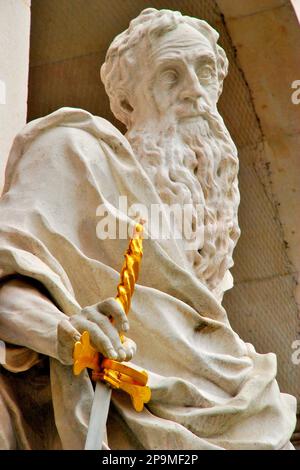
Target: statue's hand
{"points": [[105, 335]]}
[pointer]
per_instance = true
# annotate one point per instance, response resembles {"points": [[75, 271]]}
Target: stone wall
{"points": [[266, 39], [14, 61]]}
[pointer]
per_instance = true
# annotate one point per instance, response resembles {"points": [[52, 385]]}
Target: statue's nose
{"points": [[192, 89]]}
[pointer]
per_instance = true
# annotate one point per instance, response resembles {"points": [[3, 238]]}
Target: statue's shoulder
{"points": [[75, 119], [65, 127]]}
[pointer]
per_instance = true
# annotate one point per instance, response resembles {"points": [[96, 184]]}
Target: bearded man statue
{"points": [[210, 390]]}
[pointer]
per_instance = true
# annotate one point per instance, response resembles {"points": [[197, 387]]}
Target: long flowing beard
{"points": [[195, 164]]}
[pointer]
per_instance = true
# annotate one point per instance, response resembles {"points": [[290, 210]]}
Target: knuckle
{"points": [[105, 323], [87, 312], [98, 319], [107, 304], [111, 307], [77, 322], [93, 330]]}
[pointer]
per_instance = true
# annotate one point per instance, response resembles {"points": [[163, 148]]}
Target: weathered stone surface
{"points": [[14, 59]]}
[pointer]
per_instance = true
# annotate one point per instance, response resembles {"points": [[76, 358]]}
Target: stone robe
{"points": [[210, 390]]}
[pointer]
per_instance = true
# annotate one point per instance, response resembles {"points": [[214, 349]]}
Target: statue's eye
{"points": [[169, 78], [205, 72]]}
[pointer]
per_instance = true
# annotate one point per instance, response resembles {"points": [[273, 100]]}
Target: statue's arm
{"points": [[29, 318]]}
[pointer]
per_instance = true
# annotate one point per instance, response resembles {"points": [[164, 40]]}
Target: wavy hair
{"points": [[123, 55]]}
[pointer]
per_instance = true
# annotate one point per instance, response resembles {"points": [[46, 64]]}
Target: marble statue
{"points": [[210, 390]]}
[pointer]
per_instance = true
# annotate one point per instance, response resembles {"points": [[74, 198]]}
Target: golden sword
{"points": [[118, 375]]}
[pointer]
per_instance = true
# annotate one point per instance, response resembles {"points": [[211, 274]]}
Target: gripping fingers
{"points": [[111, 308], [106, 327], [130, 348], [98, 338]]}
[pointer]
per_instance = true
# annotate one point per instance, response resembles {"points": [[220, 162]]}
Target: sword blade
{"points": [[97, 425]]}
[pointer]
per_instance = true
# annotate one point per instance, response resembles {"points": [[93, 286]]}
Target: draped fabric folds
{"points": [[210, 390]]}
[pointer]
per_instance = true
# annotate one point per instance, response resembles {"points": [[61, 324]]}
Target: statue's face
{"points": [[181, 77]]}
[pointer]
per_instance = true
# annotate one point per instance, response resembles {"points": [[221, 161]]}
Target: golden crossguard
{"points": [[116, 374]]}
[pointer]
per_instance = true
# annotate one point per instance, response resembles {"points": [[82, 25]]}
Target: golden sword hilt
{"points": [[114, 373]]}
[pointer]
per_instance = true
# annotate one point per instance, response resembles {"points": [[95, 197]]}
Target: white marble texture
{"points": [[210, 390]]}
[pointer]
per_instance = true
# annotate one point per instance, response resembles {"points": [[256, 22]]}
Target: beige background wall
{"points": [[14, 61], [266, 39], [262, 40]]}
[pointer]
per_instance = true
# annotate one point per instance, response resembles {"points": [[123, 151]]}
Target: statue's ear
{"points": [[222, 66], [125, 105], [122, 108]]}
